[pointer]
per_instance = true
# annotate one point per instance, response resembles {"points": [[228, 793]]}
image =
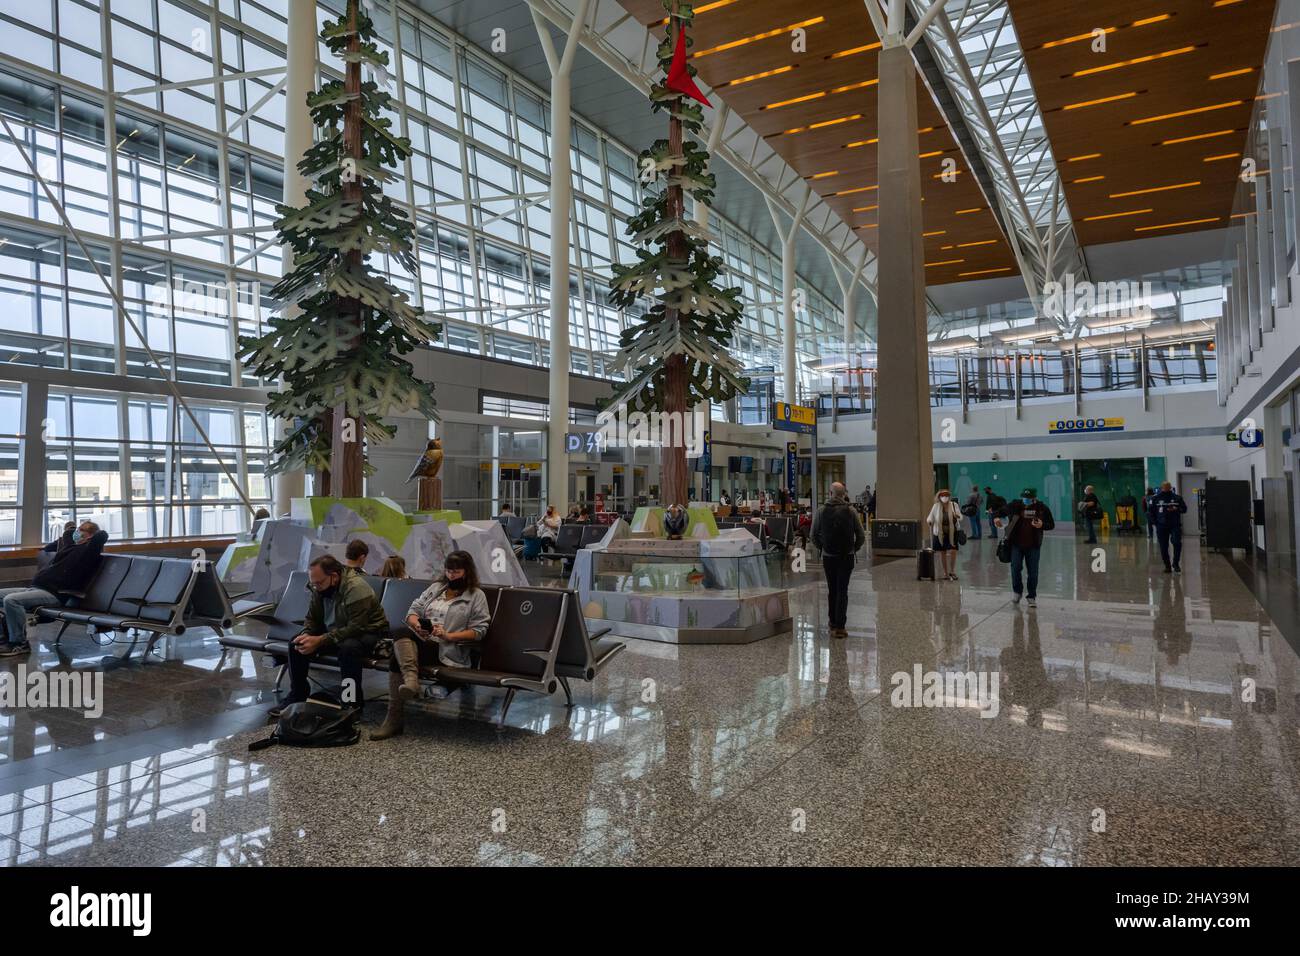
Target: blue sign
{"points": [[792, 470], [1064, 425], [588, 442], [706, 456]]}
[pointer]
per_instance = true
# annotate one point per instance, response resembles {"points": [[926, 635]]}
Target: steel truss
{"points": [[975, 46], [621, 43]]}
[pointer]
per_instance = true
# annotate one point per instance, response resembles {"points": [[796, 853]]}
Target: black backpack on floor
{"points": [[319, 721]]}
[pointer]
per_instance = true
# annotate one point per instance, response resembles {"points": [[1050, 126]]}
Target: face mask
{"points": [[77, 536], [1028, 501], [943, 498]]}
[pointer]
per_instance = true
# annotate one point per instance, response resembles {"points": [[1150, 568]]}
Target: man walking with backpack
{"points": [[838, 534]]}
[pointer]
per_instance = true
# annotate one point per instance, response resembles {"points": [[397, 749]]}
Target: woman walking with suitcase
{"points": [[946, 532]]}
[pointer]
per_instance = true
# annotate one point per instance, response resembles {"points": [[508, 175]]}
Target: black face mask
{"points": [[324, 592]]}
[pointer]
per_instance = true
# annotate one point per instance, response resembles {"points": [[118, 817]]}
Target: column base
{"points": [[895, 537]]}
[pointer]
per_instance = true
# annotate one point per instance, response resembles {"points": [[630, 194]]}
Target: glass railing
{"points": [[992, 378]]}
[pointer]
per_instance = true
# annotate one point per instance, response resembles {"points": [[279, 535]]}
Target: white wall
{"points": [[1178, 422]]}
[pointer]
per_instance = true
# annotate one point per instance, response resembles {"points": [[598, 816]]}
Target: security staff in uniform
{"points": [[1166, 515]]}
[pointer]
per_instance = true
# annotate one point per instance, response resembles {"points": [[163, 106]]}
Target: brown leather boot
{"points": [[395, 719], [408, 659]]}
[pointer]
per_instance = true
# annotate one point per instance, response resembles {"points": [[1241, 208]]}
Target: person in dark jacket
{"points": [[76, 557], [62, 541], [1026, 520], [1167, 510], [1146, 512], [1090, 510], [993, 505], [345, 619], [838, 534]]}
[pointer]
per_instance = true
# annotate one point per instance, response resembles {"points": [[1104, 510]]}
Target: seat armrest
{"points": [[72, 594], [237, 596]]}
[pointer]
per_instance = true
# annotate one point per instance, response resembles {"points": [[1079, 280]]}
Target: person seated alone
{"points": [[356, 554], [506, 511], [344, 619], [76, 558], [395, 568], [451, 611]]}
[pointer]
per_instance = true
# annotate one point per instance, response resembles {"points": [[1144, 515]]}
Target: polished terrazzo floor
{"points": [[1121, 738]]}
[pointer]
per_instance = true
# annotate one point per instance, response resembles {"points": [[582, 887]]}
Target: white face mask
{"points": [[943, 498]]}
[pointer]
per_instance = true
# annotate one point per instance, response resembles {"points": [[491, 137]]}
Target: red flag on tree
{"points": [[679, 78]]}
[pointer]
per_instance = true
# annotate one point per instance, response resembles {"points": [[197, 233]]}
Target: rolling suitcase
{"points": [[925, 565]]}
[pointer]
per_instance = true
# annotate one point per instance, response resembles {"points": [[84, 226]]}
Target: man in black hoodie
{"points": [[838, 534], [71, 570]]}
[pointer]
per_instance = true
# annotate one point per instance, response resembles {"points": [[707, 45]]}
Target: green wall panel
{"points": [[1051, 477]]}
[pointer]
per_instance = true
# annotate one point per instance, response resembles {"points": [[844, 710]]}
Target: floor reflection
{"points": [[1140, 718]]}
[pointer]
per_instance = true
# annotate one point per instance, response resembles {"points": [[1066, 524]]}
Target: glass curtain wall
{"points": [[173, 182]]}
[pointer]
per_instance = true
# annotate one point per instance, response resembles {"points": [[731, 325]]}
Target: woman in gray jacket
{"points": [[452, 611]]}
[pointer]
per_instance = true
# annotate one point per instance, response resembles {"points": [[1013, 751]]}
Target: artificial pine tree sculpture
{"points": [[342, 328], [676, 355]]}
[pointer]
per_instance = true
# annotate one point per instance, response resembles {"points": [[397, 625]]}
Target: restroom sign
{"points": [[1064, 426]]}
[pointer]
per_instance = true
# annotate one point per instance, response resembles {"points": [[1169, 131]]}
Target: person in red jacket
{"points": [[1025, 521]]}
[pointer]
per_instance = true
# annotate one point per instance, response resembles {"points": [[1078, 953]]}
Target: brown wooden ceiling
{"points": [[1182, 48], [817, 109], [838, 157]]}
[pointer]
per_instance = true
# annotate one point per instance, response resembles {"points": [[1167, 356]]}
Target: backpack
{"points": [[319, 721], [839, 533]]}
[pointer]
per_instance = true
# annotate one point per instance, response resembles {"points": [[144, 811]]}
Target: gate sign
{"points": [[1248, 437], [1063, 426], [707, 464], [794, 418]]}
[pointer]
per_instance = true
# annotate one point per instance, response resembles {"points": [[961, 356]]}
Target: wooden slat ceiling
{"points": [[1176, 86], [817, 109]]}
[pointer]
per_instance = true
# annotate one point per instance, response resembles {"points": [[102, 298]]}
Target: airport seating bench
{"points": [[143, 593], [537, 639]]}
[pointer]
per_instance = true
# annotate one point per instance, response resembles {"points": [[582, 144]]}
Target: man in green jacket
{"points": [[345, 619]]}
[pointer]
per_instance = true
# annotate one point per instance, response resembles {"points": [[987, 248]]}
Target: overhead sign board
{"points": [[1063, 426], [794, 418]]}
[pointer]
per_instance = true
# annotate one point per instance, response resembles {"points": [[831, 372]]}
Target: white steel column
{"points": [[300, 79], [788, 278], [849, 286], [33, 465], [561, 64]]}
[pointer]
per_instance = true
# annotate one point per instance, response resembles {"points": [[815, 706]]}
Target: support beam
{"points": [[32, 464], [300, 80], [561, 65], [849, 296], [789, 369], [905, 470]]}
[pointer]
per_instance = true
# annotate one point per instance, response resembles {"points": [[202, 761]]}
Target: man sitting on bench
{"points": [[356, 554], [73, 566], [344, 619]]}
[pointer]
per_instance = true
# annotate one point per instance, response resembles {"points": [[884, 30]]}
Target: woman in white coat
{"points": [[945, 523]]}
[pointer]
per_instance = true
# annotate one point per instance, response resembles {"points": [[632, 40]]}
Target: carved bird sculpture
{"points": [[430, 462]]}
